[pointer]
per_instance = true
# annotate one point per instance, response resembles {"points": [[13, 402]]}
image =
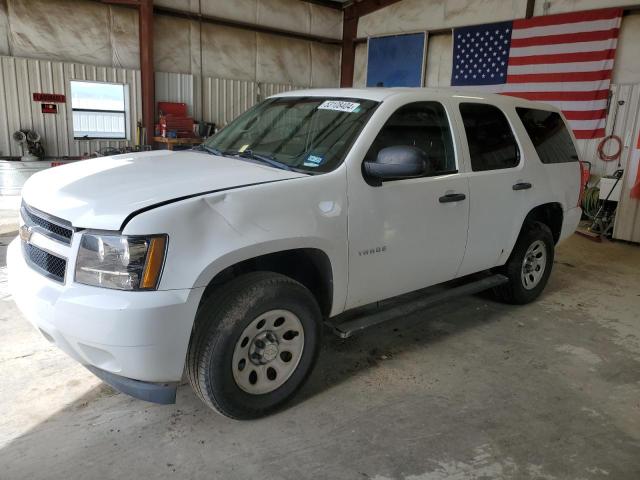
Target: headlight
{"points": [[121, 262]]}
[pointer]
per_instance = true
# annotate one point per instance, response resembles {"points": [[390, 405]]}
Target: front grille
{"points": [[38, 220], [44, 262]]}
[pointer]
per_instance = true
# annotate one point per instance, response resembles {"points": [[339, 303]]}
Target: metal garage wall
{"points": [[20, 78], [175, 87], [223, 99], [627, 226], [624, 127], [268, 89]]}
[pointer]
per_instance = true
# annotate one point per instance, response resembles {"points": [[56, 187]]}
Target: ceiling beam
{"points": [[327, 3], [171, 12], [352, 14]]}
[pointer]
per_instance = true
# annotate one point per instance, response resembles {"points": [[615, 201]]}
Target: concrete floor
{"points": [[468, 390], [9, 206]]}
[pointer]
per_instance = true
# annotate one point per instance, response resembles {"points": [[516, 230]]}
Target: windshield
{"points": [[310, 134]]}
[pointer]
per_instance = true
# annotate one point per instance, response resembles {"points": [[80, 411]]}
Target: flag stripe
{"points": [[542, 87], [588, 134], [587, 124], [560, 77], [564, 48], [585, 114], [566, 38], [593, 26], [573, 17], [560, 67], [561, 96], [608, 54], [579, 106]]}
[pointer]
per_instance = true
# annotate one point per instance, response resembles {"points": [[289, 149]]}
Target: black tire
{"points": [[515, 291], [220, 322]]}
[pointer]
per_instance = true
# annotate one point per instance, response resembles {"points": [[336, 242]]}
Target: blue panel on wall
{"points": [[396, 61]]}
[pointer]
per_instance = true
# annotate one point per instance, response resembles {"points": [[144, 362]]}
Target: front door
{"points": [[411, 233]]}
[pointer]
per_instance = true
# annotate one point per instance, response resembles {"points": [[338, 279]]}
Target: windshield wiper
{"points": [[211, 150], [264, 159]]}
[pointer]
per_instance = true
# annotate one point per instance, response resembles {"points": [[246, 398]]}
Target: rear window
{"points": [[549, 135]]}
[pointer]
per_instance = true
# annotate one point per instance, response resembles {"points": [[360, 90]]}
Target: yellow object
{"points": [[243, 148], [153, 266]]}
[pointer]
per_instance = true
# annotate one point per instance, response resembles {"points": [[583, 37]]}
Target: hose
{"points": [[614, 156], [591, 201]]}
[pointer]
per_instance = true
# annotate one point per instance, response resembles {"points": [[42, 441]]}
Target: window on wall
{"points": [[492, 145], [99, 110]]}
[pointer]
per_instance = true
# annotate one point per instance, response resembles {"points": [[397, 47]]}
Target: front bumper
{"points": [[140, 336], [164, 393]]}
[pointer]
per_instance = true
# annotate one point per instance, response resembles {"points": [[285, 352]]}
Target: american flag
{"points": [[565, 60]]}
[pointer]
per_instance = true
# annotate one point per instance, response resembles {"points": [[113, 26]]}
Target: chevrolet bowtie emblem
{"points": [[25, 233]]}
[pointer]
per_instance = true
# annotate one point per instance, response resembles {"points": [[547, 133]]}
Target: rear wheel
{"points": [[529, 265], [255, 342]]}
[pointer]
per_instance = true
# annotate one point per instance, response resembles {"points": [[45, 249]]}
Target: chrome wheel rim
{"points": [[534, 264], [268, 352]]}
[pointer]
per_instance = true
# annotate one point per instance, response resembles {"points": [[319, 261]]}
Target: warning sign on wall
{"points": [[49, 97], [49, 108]]}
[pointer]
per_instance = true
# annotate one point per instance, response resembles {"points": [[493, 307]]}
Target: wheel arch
{"points": [[310, 266], [550, 214]]}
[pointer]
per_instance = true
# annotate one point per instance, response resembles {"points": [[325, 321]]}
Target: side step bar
{"points": [[349, 327]]}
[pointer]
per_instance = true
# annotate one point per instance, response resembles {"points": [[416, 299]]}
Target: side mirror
{"points": [[394, 163]]}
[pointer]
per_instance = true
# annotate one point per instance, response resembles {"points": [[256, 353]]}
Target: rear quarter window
{"points": [[549, 135]]}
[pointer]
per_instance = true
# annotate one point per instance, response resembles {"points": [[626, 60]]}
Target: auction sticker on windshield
{"points": [[339, 106]]}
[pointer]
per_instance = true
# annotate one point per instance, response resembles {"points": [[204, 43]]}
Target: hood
{"points": [[101, 193]]}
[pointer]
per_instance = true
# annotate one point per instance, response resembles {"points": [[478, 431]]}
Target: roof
{"points": [[381, 94]]}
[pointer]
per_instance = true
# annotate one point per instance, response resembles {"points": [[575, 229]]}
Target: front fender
{"points": [[212, 232]]}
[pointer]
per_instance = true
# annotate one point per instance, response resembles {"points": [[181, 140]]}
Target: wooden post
{"points": [[147, 74]]}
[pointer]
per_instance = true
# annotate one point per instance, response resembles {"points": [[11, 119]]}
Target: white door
{"points": [[411, 233], [500, 186]]}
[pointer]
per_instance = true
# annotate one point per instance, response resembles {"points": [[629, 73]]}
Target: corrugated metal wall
{"points": [[627, 226], [20, 78], [624, 126], [223, 99], [175, 87], [211, 99]]}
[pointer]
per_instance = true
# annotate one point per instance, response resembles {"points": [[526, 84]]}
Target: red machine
{"points": [[174, 120]]}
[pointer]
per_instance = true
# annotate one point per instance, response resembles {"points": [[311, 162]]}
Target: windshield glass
{"points": [[311, 134]]}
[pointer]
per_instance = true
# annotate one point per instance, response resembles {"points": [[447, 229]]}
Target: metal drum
{"points": [[13, 173]]}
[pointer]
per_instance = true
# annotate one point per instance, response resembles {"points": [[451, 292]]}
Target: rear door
{"points": [[500, 184]]}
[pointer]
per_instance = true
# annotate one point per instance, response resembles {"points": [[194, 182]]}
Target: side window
{"points": [[492, 145], [423, 125], [549, 135]]}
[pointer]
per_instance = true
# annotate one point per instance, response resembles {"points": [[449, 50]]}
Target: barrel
{"points": [[13, 173]]}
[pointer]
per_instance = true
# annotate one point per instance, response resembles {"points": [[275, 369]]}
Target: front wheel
{"points": [[529, 265], [255, 342]]}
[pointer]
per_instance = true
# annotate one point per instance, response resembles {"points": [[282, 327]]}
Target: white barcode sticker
{"points": [[339, 106]]}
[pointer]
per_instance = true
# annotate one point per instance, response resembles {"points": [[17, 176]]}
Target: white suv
{"points": [[226, 260]]}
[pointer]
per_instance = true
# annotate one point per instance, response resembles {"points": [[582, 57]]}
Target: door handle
{"points": [[522, 186], [452, 197]]}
